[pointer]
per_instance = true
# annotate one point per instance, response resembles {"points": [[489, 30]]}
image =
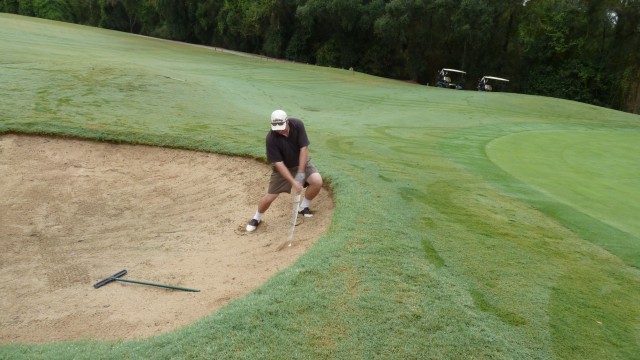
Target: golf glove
{"points": [[300, 177]]}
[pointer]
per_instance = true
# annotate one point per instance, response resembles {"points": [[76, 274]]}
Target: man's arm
{"points": [[304, 155], [302, 163]]}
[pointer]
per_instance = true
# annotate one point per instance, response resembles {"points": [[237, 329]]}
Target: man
{"points": [[288, 152]]}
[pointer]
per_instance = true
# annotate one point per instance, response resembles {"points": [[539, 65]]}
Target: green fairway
{"points": [[595, 172], [467, 224]]}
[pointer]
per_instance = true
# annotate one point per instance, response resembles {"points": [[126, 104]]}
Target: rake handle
{"points": [[158, 285], [117, 277]]}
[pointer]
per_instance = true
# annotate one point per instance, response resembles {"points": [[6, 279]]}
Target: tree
{"points": [[86, 12], [175, 20], [10, 6], [243, 23], [624, 16], [52, 10], [205, 25], [279, 28], [556, 38], [113, 15]]}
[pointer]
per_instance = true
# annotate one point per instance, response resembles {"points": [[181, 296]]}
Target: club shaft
{"points": [[296, 203]]}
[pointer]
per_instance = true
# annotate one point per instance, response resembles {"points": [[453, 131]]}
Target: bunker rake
{"points": [[118, 277]]}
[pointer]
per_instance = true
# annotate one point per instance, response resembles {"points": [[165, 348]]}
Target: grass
{"points": [[434, 250], [589, 170]]}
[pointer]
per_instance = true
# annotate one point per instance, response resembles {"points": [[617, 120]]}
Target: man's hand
{"points": [[300, 177]]}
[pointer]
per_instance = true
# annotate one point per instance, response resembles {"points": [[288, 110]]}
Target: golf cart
{"points": [[490, 83], [445, 80]]}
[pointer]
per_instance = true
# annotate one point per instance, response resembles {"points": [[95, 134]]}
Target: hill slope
{"points": [[434, 251]]}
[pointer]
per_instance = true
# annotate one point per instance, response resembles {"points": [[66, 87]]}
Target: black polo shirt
{"points": [[287, 149]]}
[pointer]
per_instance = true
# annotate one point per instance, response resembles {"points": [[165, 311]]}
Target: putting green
{"points": [[595, 172]]}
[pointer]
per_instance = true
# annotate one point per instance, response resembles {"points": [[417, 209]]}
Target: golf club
{"points": [[296, 204]]}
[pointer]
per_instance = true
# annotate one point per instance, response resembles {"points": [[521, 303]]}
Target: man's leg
{"points": [[265, 202], [315, 184], [277, 184], [263, 206], [313, 189]]}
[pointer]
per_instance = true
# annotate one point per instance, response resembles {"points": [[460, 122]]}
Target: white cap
{"points": [[278, 120]]}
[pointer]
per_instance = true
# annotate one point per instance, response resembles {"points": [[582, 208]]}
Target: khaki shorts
{"points": [[278, 184]]}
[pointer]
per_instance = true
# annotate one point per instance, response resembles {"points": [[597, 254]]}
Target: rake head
{"points": [[110, 279]]}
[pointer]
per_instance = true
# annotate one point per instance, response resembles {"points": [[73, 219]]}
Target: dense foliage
{"points": [[584, 50]]}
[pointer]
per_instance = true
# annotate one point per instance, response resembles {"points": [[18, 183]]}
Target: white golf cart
{"points": [[491, 83], [445, 79]]}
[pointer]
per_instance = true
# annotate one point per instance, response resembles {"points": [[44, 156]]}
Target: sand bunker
{"points": [[74, 212]]}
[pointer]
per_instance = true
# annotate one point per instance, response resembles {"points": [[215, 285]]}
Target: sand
{"points": [[74, 212]]}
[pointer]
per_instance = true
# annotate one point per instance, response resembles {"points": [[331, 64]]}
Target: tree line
{"points": [[583, 50]]}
